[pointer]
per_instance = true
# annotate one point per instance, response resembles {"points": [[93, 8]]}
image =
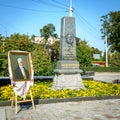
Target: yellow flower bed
{"points": [[41, 90]]}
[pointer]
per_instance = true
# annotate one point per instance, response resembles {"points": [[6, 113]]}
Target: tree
{"points": [[55, 51], [41, 61], [115, 59], [3, 57], [14, 42], [3, 64], [1, 43], [84, 54], [47, 31], [19, 42], [111, 29]]}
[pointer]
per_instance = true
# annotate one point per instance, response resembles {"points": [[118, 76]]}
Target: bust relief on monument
{"points": [[69, 40]]}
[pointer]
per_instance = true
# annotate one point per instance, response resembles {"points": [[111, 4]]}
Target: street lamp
{"points": [[106, 47]]}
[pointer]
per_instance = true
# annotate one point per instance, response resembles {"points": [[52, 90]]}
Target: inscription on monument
{"points": [[69, 65], [69, 54]]}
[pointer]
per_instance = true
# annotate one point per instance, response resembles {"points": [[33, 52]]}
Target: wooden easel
{"points": [[22, 101]]}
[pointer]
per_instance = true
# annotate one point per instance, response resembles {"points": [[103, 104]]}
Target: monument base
{"points": [[67, 81]]}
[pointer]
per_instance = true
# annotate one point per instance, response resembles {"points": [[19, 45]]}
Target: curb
{"points": [[74, 99], [58, 100]]}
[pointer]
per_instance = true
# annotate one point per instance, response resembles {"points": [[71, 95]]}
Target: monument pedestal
{"points": [[67, 76], [67, 81]]}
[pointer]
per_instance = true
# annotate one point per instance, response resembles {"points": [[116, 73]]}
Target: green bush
{"points": [[103, 69]]}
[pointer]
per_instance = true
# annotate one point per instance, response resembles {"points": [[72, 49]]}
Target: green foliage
{"points": [[111, 28], [19, 42], [41, 90], [47, 31], [84, 54], [1, 43], [14, 42], [55, 51], [3, 59], [3, 64], [103, 69], [41, 61], [115, 59]]}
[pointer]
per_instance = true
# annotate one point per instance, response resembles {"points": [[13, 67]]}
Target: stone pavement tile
{"points": [[2, 113], [83, 110], [23, 114], [106, 76]]}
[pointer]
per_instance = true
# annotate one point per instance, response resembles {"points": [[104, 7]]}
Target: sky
{"points": [[29, 16]]}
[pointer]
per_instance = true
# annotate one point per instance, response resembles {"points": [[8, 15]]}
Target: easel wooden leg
{"points": [[13, 100], [32, 100], [22, 101], [16, 104]]}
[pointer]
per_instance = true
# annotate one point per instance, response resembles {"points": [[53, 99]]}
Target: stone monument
{"points": [[67, 72]]}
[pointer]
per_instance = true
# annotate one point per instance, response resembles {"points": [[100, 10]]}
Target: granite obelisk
{"points": [[67, 72]]}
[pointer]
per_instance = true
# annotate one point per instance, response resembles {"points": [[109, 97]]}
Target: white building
{"points": [[41, 40]]}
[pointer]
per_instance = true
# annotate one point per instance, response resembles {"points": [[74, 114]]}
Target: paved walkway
{"points": [[83, 110], [106, 76]]}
